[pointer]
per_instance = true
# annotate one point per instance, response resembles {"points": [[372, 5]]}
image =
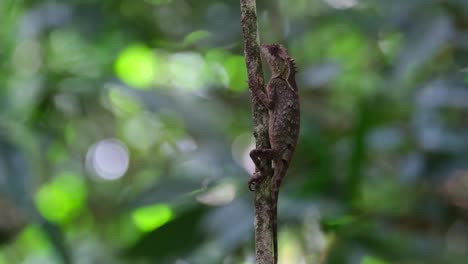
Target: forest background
{"points": [[125, 128]]}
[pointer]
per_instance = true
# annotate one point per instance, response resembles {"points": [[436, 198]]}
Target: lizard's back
{"points": [[285, 117]]}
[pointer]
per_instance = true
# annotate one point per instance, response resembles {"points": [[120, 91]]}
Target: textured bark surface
{"points": [[263, 202]]}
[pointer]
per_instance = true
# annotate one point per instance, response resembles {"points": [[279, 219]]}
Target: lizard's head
{"points": [[276, 57]]}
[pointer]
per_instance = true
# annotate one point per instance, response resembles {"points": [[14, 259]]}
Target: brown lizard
{"points": [[282, 101]]}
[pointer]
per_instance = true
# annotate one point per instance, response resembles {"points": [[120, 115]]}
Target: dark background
{"points": [[125, 127]]}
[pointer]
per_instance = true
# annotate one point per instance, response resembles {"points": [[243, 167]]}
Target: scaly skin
{"points": [[282, 101]]}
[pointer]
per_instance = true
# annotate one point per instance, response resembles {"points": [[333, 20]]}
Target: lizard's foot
{"points": [[256, 177]]}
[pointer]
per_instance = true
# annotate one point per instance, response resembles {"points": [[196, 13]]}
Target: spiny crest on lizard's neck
{"points": [[292, 72]]}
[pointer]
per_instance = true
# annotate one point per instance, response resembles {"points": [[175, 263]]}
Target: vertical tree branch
{"points": [[263, 202]]}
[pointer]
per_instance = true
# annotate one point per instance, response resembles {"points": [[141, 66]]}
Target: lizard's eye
{"points": [[274, 50]]}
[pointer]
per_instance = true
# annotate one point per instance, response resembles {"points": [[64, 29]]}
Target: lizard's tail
{"points": [[275, 225], [280, 169]]}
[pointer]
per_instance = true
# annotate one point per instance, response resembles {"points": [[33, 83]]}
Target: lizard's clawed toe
{"points": [[252, 184], [254, 180]]}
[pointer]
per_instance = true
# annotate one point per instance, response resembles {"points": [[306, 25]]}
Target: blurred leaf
{"points": [[56, 153], [151, 217], [143, 131], [159, 2], [235, 66], [196, 36], [216, 221], [32, 238], [69, 52], [175, 238], [390, 45], [186, 71], [123, 104], [340, 222], [351, 52], [428, 39], [375, 193], [372, 260]]}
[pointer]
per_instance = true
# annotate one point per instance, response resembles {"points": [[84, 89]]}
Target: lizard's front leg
{"points": [[257, 155], [265, 98]]}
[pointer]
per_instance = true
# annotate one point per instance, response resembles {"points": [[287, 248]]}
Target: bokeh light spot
{"points": [[62, 199], [241, 147], [32, 238], [219, 195], [215, 72], [136, 66], [142, 131], [186, 70], [342, 4], [109, 159], [27, 57], [151, 217], [122, 103]]}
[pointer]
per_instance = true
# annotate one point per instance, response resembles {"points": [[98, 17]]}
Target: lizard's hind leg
{"points": [[257, 155]]}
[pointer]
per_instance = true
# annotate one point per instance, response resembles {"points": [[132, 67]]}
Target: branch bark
{"points": [[263, 202]]}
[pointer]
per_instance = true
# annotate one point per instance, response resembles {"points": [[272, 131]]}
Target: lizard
{"points": [[282, 101]]}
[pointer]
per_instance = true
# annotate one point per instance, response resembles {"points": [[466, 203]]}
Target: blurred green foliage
{"points": [[125, 128]]}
